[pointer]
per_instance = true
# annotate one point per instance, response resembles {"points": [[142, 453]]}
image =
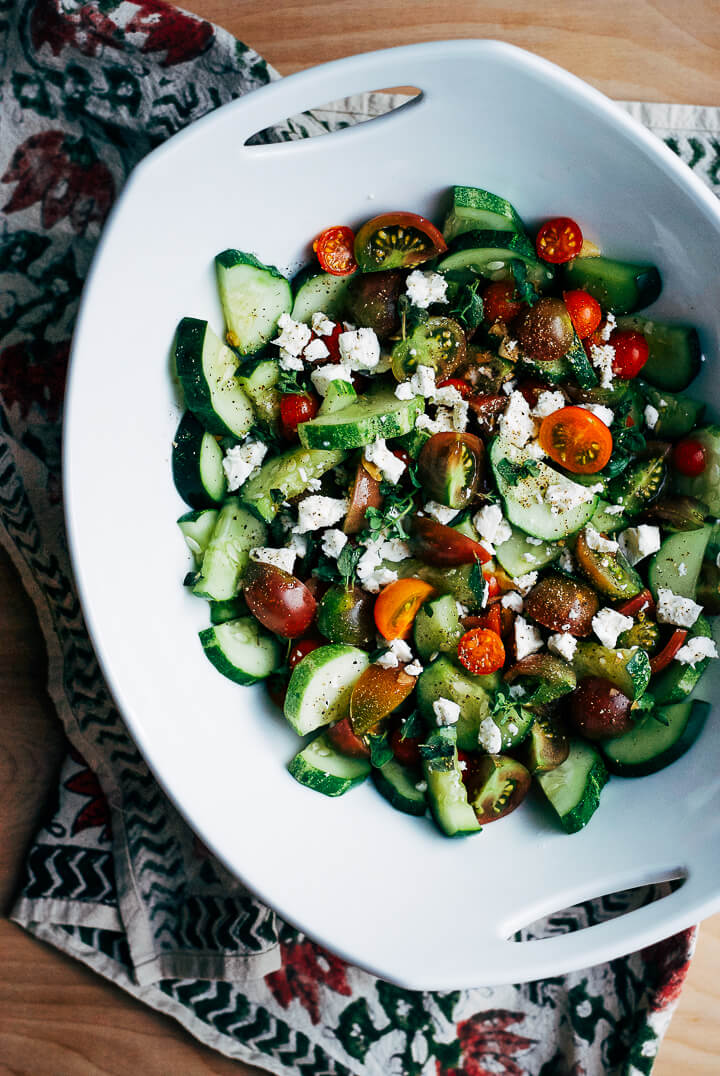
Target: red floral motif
{"points": [[179, 35], [86, 28], [96, 812], [488, 1048], [669, 961], [305, 969], [34, 373], [64, 176]]}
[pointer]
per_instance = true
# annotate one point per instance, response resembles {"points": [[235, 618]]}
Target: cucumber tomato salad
{"points": [[450, 501]]}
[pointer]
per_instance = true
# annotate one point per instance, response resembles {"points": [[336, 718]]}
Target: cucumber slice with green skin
{"points": [[376, 415], [465, 583], [622, 287], [653, 744], [240, 650], [606, 522], [322, 768], [675, 353], [556, 372], [677, 681], [339, 395], [446, 791], [316, 291], [253, 298], [580, 365], [236, 532], [197, 528], [283, 477], [514, 554], [232, 609], [259, 378], [678, 561], [526, 503], [573, 788], [489, 254], [628, 669], [474, 209], [706, 486], [398, 785], [197, 464], [206, 368], [474, 694], [463, 524], [321, 684], [677, 415], [437, 627]]}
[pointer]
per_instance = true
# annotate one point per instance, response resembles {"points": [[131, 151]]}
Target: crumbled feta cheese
{"points": [[397, 652], [359, 349], [695, 650], [460, 413], [279, 558], [563, 644], [608, 624], [533, 541], [517, 691], [395, 549], [294, 336], [370, 570], [515, 423], [605, 414], [423, 381], [440, 512], [596, 541], [298, 544], [462, 610], [672, 609], [489, 736], [404, 391], [446, 711], [548, 402], [602, 356], [323, 376], [388, 660], [390, 465], [528, 639], [614, 510], [421, 786], [414, 668], [509, 387], [682, 568], [333, 543], [525, 583], [289, 362], [608, 328], [442, 423], [321, 324], [530, 558], [512, 600], [566, 561], [424, 288], [562, 496], [315, 350], [535, 450], [448, 396], [317, 511], [651, 416], [639, 542], [491, 524], [241, 460]]}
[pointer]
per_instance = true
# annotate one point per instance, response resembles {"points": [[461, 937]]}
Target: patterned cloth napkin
{"points": [[115, 877]]}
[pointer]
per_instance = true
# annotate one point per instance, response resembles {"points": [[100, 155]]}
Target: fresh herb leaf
{"points": [[347, 562], [413, 726], [467, 306], [290, 381], [380, 750], [525, 290], [326, 570], [513, 472]]}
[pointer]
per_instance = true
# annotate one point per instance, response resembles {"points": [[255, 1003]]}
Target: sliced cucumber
{"points": [[519, 555], [321, 767], [437, 627], [490, 254], [677, 415], [236, 532], [474, 209], [283, 477], [678, 561], [231, 609], [573, 788], [622, 287], [197, 528], [399, 786], [706, 486], [316, 291], [628, 669], [197, 464], [378, 414], [339, 395], [240, 650], [474, 694], [253, 298], [677, 681], [656, 741], [555, 372], [446, 791], [675, 353], [206, 368], [259, 378], [607, 522], [321, 684]]}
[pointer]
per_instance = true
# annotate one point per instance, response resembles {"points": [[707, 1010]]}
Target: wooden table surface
{"points": [[59, 1019]]}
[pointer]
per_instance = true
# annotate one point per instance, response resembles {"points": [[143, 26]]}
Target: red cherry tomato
{"points": [[641, 603], [689, 457], [661, 661], [278, 600], [401, 454], [559, 240], [481, 651], [335, 249], [493, 585], [437, 544], [294, 409], [341, 735], [331, 343], [584, 311], [631, 352], [300, 649], [500, 302], [531, 387], [462, 387], [397, 241], [406, 751]]}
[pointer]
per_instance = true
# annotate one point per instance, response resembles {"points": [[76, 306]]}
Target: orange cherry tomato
{"points": [[500, 302], [481, 651], [335, 249], [376, 694], [584, 311], [559, 240], [398, 604], [576, 439]]}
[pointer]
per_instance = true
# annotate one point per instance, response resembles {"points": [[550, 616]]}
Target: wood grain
{"points": [[56, 1017]]}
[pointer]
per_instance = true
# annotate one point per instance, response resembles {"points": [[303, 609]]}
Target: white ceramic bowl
{"points": [[386, 891]]}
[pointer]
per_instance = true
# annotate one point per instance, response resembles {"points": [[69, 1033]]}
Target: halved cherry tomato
{"points": [[641, 603], [500, 301], [584, 311], [331, 342], [296, 407], [398, 604], [559, 240], [376, 694], [278, 600], [342, 737], [335, 249], [437, 544], [451, 467], [300, 649], [397, 240], [406, 751], [487, 407], [662, 660], [576, 439], [365, 493], [481, 651], [492, 619], [631, 352], [689, 457], [463, 387], [493, 585]]}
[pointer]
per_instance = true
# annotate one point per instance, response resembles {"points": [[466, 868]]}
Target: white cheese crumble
{"points": [[333, 543], [442, 423], [509, 387], [370, 570], [241, 460], [563, 644], [528, 639], [321, 324], [316, 350], [608, 624], [397, 652], [288, 362], [566, 561], [424, 288], [682, 568], [446, 711], [548, 402], [512, 600], [395, 549], [359, 349], [440, 512], [695, 650], [651, 416], [608, 328], [600, 544], [639, 542], [460, 413], [298, 544], [279, 558], [404, 391], [517, 691], [605, 414], [525, 583], [614, 510], [414, 668], [562, 496], [491, 524], [294, 336], [448, 395], [323, 377], [602, 356], [673, 609], [422, 381], [317, 511], [489, 736], [515, 423], [390, 465]]}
